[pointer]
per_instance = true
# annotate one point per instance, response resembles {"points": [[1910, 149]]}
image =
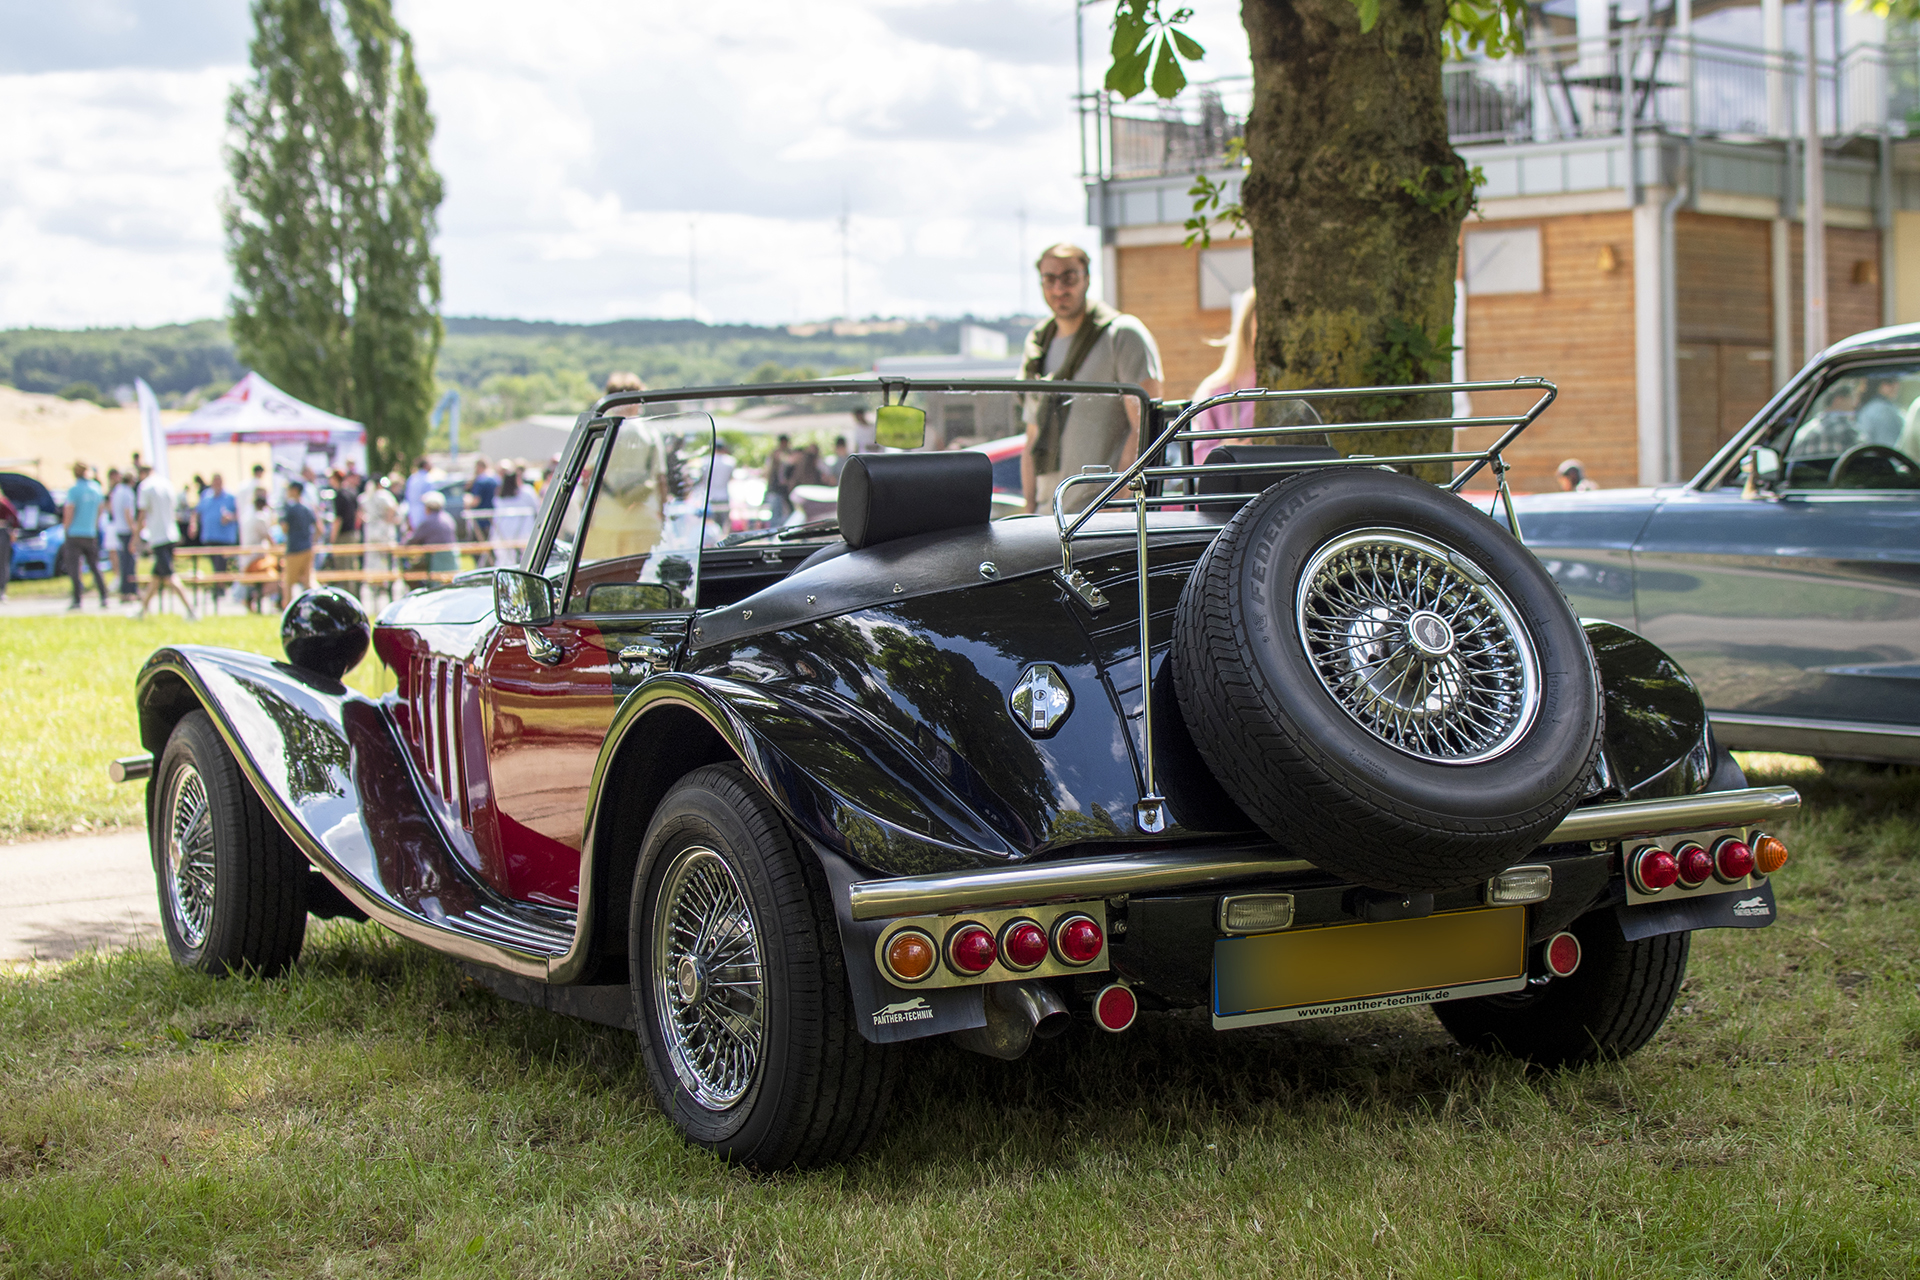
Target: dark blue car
{"points": [[1785, 576], [37, 542]]}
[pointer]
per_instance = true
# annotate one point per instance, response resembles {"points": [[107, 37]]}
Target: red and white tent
{"points": [[255, 411]]}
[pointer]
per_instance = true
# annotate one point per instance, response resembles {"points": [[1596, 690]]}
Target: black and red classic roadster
{"points": [[1284, 734]]}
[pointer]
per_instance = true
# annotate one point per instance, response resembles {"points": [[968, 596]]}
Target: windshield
{"points": [[778, 458]]}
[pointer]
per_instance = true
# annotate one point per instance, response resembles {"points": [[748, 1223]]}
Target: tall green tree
{"points": [[1354, 195], [331, 219]]}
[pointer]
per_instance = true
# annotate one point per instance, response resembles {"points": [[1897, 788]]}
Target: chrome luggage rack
{"points": [[1150, 814]]}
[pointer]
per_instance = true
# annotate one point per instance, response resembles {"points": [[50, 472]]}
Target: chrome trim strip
{"points": [[1143, 873], [1625, 818], [1079, 878], [1843, 738]]}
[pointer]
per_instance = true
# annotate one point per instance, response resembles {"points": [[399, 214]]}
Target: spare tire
{"points": [[1386, 681]]}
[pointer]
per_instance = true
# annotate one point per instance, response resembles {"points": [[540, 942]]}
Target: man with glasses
{"points": [[1081, 341]]}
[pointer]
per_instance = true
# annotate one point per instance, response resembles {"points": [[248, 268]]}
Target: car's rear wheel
{"points": [[1610, 1007], [1381, 677], [233, 888], [739, 986]]}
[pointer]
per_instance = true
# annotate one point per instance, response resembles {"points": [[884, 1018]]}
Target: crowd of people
{"points": [[266, 541]]}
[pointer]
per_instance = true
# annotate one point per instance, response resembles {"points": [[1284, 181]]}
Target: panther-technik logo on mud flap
{"points": [[1754, 906], [914, 1010]]}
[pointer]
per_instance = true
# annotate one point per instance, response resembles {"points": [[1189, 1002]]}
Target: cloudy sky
{"points": [[585, 145]]}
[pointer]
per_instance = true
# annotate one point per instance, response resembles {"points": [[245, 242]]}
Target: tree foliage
{"points": [[331, 219]]}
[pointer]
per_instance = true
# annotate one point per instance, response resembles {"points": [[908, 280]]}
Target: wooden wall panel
{"points": [[1852, 306], [1725, 279], [1161, 285], [1577, 332]]}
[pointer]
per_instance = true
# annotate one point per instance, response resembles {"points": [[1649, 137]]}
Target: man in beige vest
{"points": [[1081, 342]]}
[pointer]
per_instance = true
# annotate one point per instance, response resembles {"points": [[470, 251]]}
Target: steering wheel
{"points": [[1874, 466]]}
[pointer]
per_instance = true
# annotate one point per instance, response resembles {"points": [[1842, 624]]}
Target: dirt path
{"points": [[61, 897]]}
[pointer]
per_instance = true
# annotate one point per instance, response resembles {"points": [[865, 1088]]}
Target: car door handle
{"points": [[543, 650], [657, 654]]}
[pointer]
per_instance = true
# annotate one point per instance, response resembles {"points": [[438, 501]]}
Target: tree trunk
{"points": [[1354, 271]]}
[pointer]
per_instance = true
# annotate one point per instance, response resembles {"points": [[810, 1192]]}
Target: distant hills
{"points": [[503, 367]]}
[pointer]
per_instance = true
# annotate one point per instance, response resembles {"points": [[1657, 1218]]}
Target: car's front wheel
{"points": [[233, 889], [1610, 1007], [739, 987]]}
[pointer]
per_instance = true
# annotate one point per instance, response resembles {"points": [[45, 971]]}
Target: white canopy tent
{"points": [[254, 411]]}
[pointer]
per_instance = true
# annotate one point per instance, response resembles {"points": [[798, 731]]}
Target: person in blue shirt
{"points": [[296, 560], [81, 519], [217, 520]]}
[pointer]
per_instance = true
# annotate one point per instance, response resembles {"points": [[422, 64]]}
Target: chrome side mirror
{"points": [[1763, 469], [522, 599]]}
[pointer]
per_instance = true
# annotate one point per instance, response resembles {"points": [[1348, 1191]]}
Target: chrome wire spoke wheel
{"points": [[708, 993], [189, 854], [1415, 644]]}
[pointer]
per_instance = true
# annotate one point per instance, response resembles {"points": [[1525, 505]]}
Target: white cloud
{"points": [[577, 139]]}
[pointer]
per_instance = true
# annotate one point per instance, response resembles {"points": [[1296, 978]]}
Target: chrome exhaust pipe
{"points": [[1018, 1013]]}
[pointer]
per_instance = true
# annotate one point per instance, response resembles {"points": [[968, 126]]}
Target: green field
{"points": [[67, 685], [376, 1113]]}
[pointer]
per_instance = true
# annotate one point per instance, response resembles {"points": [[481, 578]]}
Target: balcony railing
{"points": [[1638, 80], [1633, 80]]}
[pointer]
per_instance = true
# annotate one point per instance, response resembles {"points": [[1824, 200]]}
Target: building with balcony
{"points": [[1639, 237]]}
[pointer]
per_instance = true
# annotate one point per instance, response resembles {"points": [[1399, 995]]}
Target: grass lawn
{"points": [[67, 686], [376, 1113]]}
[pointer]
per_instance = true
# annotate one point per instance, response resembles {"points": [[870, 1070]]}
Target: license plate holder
{"points": [[1357, 968]]}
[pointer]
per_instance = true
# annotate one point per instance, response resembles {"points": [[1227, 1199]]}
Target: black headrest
{"points": [[1228, 455], [884, 496]]}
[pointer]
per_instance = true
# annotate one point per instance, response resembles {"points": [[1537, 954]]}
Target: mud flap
{"points": [[1740, 909], [887, 1013]]}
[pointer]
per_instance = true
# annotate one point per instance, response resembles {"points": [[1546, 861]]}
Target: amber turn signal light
{"points": [[911, 955], [1769, 855]]}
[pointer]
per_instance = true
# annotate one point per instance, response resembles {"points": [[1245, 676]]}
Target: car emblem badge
{"points": [[1041, 700], [1430, 634]]}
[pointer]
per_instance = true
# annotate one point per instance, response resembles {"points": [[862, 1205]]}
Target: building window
{"points": [[1504, 261], [1225, 274]]}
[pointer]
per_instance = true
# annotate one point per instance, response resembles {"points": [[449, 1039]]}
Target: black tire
{"points": [[816, 1091], [1611, 1006], [207, 819], [1310, 772]]}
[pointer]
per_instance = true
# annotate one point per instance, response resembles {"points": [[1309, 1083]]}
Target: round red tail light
{"points": [[1563, 955], [1695, 864], [1115, 1008], [1023, 945], [1732, 860], [971, 949], [1077, 940], [910, 955], [1653, 869]]}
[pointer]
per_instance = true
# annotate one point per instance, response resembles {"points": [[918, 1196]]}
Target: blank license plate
{"points": [[1355, 968]]}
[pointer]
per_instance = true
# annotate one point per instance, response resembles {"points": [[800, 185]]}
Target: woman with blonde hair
{"points": [[1236, 373]]}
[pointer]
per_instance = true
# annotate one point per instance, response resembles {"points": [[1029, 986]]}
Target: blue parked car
{"points": [[1785, 576], [37, 542]]}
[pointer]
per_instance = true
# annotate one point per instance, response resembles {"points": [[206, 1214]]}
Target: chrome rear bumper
{"points": [[1145, 872]]}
